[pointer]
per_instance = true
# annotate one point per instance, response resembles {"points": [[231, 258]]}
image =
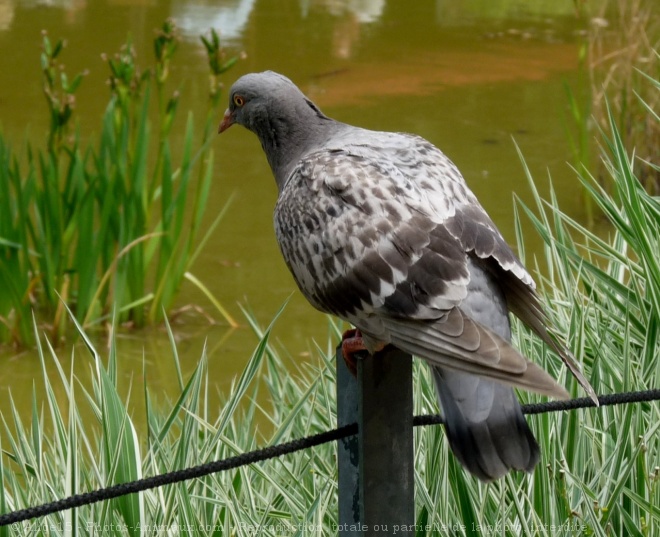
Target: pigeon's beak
{"points": [[227, 121]]}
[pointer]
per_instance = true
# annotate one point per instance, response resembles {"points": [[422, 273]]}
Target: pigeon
{"points": [[381, 230]]}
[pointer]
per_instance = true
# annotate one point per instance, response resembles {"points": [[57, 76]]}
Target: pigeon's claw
{"points": [[351, 345]]}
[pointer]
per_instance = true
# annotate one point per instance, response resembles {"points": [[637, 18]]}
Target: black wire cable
{"points": [[557, 406], [122, 489], [271, 452]]}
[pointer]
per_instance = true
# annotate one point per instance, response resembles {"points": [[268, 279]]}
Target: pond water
{"points": [[470, 76]]}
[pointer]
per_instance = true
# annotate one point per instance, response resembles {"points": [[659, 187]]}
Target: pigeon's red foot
{"points": [[351, 344]]}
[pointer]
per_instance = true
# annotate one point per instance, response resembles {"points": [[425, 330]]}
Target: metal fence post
{"points": [[347, 452], [376, 469]]}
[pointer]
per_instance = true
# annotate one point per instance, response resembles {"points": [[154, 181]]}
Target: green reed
{"points": [[619, 53], [105, 225]]}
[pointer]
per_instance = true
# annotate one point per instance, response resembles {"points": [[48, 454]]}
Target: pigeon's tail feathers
{"points": [[458, 343], [485, 426]]}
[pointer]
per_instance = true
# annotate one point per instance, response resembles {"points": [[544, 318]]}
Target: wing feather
{"points": [[500, 362]]}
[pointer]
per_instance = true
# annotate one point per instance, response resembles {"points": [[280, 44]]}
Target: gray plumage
{"points": [[381, 230]]}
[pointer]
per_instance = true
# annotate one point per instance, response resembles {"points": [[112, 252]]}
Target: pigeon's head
{"points": [[258, 99], [286, 122]]}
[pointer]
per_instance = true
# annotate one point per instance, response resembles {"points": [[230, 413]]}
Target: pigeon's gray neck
{"points": [[287, 133]]}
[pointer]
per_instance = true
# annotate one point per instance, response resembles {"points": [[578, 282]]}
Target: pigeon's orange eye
{"points": [[239, 101]]}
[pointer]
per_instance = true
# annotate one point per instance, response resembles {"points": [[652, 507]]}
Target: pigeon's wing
{"points": [[357, 227], [371, 234], [477, 234]]}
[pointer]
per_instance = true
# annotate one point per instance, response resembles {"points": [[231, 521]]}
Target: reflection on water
{"points": [[229, 17], [468, 76]]}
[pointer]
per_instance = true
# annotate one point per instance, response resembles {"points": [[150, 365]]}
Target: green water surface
{"points": [[470, 76]]}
